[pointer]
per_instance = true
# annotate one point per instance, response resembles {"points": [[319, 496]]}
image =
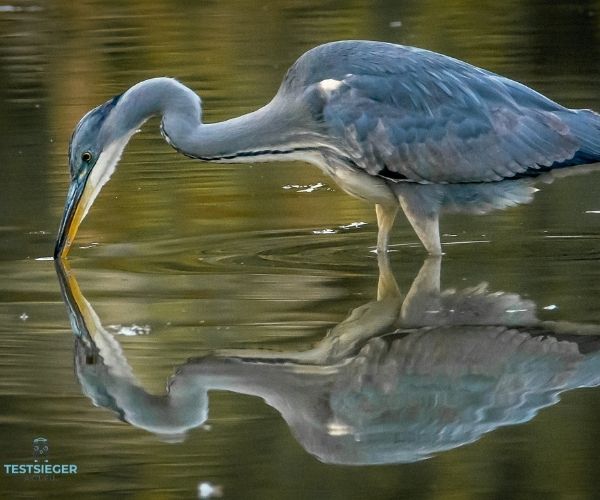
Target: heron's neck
{"points": [[266, 134]]}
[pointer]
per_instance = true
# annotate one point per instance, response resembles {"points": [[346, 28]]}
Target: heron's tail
{"points": [[584, 124]]}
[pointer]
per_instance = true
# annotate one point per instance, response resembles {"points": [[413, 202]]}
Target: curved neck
{"points": [[272, 132]]}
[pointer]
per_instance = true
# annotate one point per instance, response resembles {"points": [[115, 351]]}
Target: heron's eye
{"points": [[86, 156]]}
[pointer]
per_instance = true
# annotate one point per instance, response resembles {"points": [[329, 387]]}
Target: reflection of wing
{"points": [[410, 114], [399, 382], [440, 388], [408, 395], [471, 306]]}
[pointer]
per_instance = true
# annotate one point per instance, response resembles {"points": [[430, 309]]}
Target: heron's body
{"points": [[388, 123]]}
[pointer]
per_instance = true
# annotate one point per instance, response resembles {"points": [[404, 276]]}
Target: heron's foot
{"points": [[426, 224], [436, 252], [385, 221]]}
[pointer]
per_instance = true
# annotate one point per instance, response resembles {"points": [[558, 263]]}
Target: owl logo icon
{"points": [[41, 451]]}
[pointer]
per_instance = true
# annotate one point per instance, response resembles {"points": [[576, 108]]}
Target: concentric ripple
{"points": [[272, 251]]}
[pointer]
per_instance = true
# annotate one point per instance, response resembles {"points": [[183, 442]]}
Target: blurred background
{"points": [[273, 255], [59, 59]]}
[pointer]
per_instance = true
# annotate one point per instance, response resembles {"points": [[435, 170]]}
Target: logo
{"points": [[41, 451], [41, 467]]}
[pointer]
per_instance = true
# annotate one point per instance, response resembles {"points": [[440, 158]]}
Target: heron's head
{"points": [[102, 134], [94, 151]]}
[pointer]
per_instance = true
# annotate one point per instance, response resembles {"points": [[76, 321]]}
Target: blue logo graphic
{"points": [[41, 468], [41, 450]]}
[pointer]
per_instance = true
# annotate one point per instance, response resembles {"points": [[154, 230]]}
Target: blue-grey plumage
{"points": [[411, 114], [377, 117]]}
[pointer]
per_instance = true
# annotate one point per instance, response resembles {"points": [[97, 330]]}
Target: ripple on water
{"points": [[272, 251]]}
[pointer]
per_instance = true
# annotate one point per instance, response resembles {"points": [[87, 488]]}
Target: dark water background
{"points": [[213, 257]]}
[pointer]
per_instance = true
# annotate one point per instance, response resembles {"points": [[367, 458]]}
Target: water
{"points": [[240, 281]]}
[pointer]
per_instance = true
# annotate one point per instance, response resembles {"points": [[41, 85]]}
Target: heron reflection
{"points": [[402, 378]]}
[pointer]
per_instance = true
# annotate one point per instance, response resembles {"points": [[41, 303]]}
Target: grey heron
{"points": [[387, 122]]}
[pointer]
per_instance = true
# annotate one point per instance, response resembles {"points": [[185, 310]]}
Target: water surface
{"points": [[255, 287]]}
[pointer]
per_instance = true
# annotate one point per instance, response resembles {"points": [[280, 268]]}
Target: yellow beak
{"points": [[79, 199]]}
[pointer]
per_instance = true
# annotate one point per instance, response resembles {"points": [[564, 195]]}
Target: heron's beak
{"points": [[79, 200], [83, 191]]}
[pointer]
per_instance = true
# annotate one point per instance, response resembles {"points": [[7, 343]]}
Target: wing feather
{"points": [[431, 118]]}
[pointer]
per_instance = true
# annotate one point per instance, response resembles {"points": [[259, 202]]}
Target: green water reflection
{"points": [[234, 260], [401, 379]]}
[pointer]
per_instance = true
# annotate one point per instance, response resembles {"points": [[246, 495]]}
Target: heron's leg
{"points": [[425, 221], [386, 214], [424, 293], [386, 286]]}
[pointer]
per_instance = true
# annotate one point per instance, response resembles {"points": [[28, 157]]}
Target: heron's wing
{"points": [[431, 118]]}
